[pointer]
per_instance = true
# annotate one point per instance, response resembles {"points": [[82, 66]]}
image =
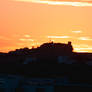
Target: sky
{"points": [[27, 23]]}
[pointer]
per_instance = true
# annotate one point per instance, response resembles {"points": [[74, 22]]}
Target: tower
{"points": [[69, 43]]}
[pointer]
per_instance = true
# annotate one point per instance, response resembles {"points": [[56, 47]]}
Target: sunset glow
{"points": [[25, 23]]}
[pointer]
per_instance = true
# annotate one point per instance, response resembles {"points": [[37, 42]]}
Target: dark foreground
{"points": [[45, 78]]}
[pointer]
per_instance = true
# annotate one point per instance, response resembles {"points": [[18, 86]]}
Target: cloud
{"points": [[77, 31], [27, 36], [85, 38], [86, 0], [80, 3], [24, 40], [58, 37]]}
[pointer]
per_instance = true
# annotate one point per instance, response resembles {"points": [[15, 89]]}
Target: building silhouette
{"points": [[52, 67]]}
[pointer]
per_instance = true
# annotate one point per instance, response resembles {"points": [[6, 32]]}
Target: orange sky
{"points": [[24, 23]]}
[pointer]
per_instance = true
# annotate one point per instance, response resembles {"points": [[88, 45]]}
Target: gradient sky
{"points": [[25, 23]]}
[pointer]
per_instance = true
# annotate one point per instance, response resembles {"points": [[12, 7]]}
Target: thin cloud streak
{"points": [[27, 36], [77, 31], [24, 40], [85, 38], [58, 36], [67, 3], [87, 0]]}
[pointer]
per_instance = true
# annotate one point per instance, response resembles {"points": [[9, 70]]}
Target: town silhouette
{"points": [[52, 67], [47, 53]]}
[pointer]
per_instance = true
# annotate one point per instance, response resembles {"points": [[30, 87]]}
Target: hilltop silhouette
{"points": [[50, 60], [47, 53]]}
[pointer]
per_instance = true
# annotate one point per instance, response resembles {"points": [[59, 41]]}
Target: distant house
{"points": [[66, 60], [29, 60]]}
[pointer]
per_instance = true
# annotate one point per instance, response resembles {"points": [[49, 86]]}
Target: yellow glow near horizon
{"points": [[82, 49]]}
